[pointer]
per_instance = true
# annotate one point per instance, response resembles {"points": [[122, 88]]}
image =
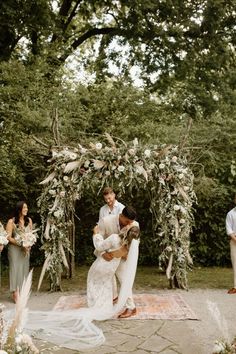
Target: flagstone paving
{"points": [[156, 336]]}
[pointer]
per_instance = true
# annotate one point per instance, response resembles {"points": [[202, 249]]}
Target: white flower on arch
{"points": [[121, 168], [147, 153], [98, 146], [135, 142]]}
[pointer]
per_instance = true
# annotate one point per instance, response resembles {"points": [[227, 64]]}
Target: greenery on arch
{"points": [[161, 170]]}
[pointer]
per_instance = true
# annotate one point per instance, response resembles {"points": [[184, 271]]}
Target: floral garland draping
{"points": [[159, 169]]}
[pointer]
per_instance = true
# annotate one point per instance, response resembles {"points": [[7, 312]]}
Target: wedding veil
{"points": [[75, 329]]}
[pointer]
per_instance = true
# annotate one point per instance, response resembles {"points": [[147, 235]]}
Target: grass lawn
{"points": [[146, 278], [198, 278]]}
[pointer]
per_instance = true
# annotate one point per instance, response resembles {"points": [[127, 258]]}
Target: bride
{"points": [[75, 329], [101, 273]]}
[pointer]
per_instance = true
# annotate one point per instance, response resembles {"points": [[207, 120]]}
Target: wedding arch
{"points": [[161, 170]]}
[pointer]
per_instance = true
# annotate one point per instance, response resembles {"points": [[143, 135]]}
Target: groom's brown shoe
{"points": [[232, 291], [128, 313]]}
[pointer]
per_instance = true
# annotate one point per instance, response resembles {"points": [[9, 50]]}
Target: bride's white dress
{"points": [[75, 329], [101, 273]]}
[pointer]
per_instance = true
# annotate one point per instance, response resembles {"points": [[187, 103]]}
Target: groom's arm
{"points": [[122, 252]]}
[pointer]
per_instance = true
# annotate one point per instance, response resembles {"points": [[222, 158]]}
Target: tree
{"points": [[169, 40]]}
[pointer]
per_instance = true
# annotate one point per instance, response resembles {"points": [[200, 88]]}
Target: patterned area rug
{"points": [[149, 306]]}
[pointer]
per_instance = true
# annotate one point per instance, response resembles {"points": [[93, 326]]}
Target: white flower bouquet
{"points": [[13, 339], [24, 344], [222, 347], [26, 237], [3, 235]]}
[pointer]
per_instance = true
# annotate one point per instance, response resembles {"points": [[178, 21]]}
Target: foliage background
{"points": [[192, 102], [210, 149]]}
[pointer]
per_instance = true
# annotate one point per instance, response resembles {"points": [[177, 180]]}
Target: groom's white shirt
{"points": [[110, 225], [105, 210]]}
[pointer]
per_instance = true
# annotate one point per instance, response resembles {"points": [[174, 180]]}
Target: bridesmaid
{"points": [[18, 256]]}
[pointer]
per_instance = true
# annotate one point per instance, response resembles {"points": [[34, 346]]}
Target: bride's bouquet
{"points": [[3, 235], [26, 237]]}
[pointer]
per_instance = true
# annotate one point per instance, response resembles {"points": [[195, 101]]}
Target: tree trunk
{"points": [[71, 257]]}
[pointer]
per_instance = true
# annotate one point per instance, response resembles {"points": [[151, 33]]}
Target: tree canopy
{"points": [[169, 41]]}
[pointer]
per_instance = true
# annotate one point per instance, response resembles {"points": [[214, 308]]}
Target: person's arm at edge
{"points": [[229, 230]]}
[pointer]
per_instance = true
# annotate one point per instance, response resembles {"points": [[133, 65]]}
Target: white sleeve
{"points": [[102, 227], [229, 224], [121, 207], [102, 245], [100, 214]]}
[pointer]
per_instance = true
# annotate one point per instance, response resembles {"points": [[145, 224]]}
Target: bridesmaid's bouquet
{"points": [[26, 237], [3, 235]]}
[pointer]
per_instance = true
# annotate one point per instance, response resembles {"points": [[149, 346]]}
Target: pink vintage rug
{"points": [[149, 306]]}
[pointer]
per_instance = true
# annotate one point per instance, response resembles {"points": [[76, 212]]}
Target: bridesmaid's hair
{"points": [[17, 211]]}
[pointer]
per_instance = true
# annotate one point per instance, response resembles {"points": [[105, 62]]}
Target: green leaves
{"points": [[169, 41]]}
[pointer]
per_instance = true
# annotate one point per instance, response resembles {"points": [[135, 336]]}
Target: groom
{"points": [[113, 224]]}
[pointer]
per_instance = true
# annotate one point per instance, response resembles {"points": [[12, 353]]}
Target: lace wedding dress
{"points": [[101, 273], [75, 329]]}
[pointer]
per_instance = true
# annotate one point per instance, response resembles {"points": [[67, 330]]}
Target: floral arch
{"points": [[159, 169]]}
